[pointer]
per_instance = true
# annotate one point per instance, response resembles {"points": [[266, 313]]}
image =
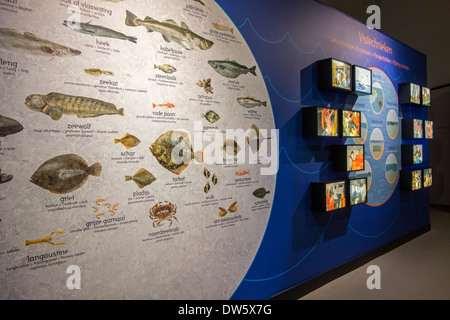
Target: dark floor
{"points": [[418, 269]]}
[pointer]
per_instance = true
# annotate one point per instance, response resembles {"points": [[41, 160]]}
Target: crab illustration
{"points": [[163, 211]]}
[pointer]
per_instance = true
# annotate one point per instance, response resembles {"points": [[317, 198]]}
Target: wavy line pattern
{"points": [[299, 262], [287, 35], [375, 235], [313, 88], [367, 64]]}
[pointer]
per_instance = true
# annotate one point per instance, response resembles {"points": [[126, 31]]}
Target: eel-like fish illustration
{"points": [[29, 43], [230, 68], [97, 31], [170, 31], [56, 105]]}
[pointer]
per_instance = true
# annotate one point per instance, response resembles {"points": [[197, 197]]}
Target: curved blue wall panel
{"points": [[287, 38]]}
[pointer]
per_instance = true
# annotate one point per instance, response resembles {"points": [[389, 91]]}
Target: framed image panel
{"points": [[334, 74], [328, 196], [350, 124], [411, 180], [320, 122], [409, 93], [357, 191], [362, 80], [412, 129], [348, 157], [428, 129], [427, 177], [426, 97], [412, 154]]}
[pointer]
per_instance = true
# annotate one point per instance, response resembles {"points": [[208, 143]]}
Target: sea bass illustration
{"points": [[97, 31], [56, 104], [9, 126], [170, 31], [11, 39], [230, 68], [64, 173], [249, 102]]}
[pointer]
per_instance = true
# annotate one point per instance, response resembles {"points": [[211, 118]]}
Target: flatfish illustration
{"points": [[129, 141], [173, 150], [142, 178], [64, 173]]}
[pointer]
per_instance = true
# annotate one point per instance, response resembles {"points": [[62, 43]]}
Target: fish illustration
{"points": [[221, 27], [173, 150], [206, 84], [129, 141], [167, 68], [9, 126], [4, 177], [11, 39], [211, 116], [64, 173], [242, 172], [230, 68], [97, 31], [249, 102], [231, 147], [97, 72], [142, 178], [57, 104], [170, 31], [167, 104], [260, 192]]}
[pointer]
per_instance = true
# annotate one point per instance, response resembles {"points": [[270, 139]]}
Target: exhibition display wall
{"points": [[201, 149]]}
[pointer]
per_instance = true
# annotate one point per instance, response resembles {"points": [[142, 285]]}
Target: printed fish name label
{"points": [[252, 114], [140, 197], [66, 203], [171, 53], [163, 235], [178, 182], [233, 85], [127, 157], [227, 221], [107, 224], [195, 11]]}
